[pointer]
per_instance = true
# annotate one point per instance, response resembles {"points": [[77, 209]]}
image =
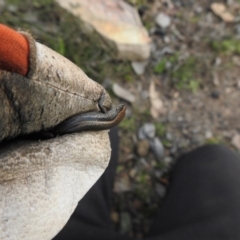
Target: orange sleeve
{"points": [[14, 51]]}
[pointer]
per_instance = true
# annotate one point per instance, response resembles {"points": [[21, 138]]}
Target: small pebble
{"points": [[125, 222], [133, 173], [167, 50], [168, 160], [160, 190], [208, 134], [153, 47], [228, 90], [157, 148], [169, 136], [166, 39], [174, 149], [107, 83], [123, 184], [139, 67], [159, 32], [215, 79], [215, 94], [196, 129], [158, 173], [163, 20], [198, 9], [12, 8], [237, 28], [147, 131], [2, 4], [236, 60], [218, 61], [142, 9], [209, 17], [144, 94], [123, 93], [142, 148]]}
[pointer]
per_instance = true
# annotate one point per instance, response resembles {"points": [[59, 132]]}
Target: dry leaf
{"points": [[157, 107], [220, 10]]}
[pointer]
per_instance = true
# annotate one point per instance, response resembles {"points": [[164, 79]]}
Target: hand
{"points": [[41, 182]]}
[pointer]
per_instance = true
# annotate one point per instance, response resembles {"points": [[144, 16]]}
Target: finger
{"points": [[14, 51]]}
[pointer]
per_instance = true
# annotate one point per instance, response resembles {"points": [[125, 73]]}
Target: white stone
{"points": [[123, 93], [139, 67], [163, 20]]}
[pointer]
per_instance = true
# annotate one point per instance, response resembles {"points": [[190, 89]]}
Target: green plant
{"points": [[194, 85], [60, 46], [184, 76], [123, 70], [160, 129], [161, 66], [137, 3], [128, 124], [194, 19], [214, 140], [227, 46], [143, 178]]}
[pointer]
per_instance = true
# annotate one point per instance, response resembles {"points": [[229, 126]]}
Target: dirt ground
{"points": [[200, 95], [194, 66]]}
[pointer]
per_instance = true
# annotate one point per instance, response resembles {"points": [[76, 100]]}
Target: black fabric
{"points": [[91, 218], [203, 200]]}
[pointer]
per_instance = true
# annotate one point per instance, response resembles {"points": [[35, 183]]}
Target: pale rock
{"points": [[218, 61], [198, 9], [168, 160], [117, 23], [236, 141], [160, 190], [125, 222], [139, 67], [163, 20], [147, 131], [123, 93], [208, 134], [157, 148]]}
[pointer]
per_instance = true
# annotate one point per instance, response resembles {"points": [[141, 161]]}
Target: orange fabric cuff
{"points": [[14, 51]]}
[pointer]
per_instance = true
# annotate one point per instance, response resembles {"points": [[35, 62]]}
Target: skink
{"points": [[91, 121]]}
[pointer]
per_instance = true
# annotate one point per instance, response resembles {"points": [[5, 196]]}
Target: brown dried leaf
{"points": [[220, 10], [157, 107]]}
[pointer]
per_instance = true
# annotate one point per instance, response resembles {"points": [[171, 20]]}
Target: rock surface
{"points": [[117, 23]]}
